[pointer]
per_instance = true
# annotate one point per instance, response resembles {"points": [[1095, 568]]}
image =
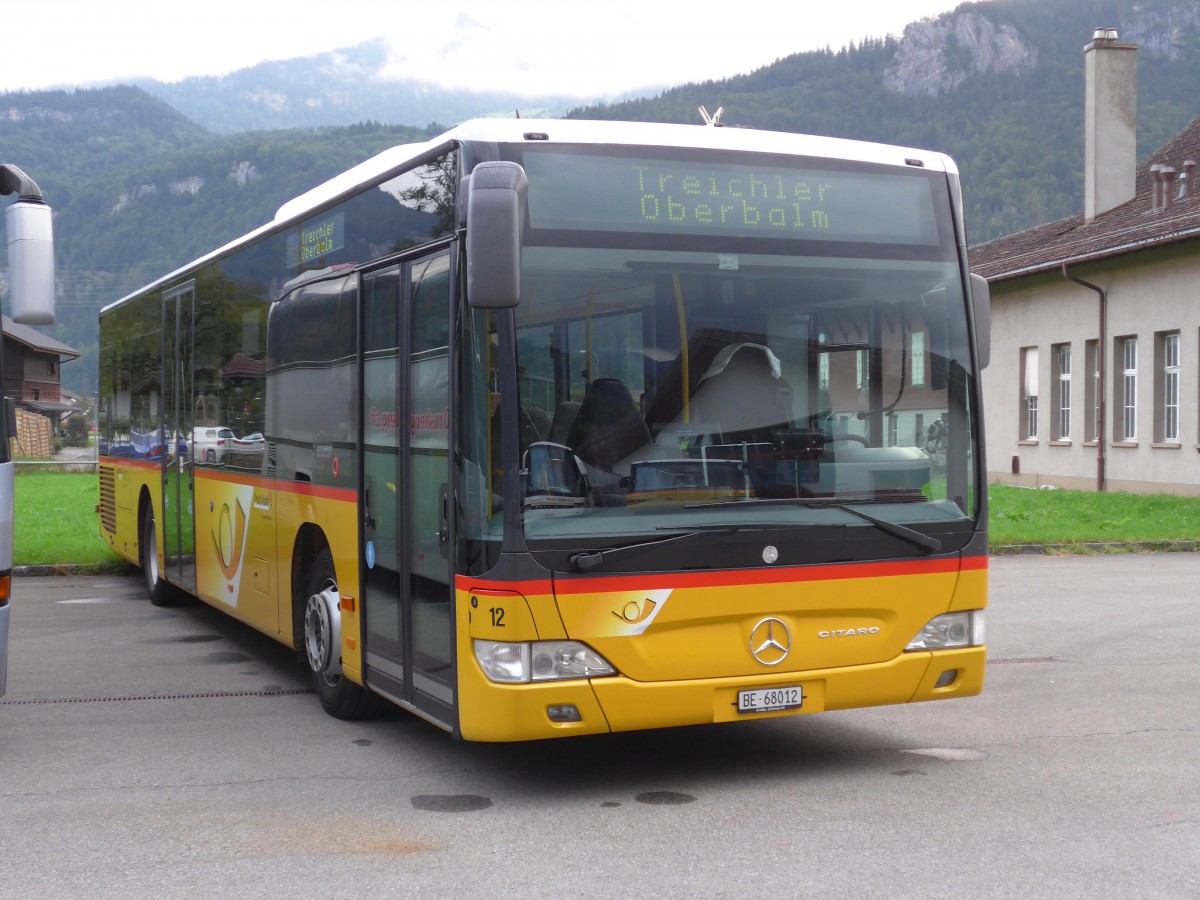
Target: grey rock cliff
{"points": [[935, 55]]}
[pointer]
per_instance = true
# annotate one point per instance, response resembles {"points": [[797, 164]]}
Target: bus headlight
{"points": [[957, 629], [520, 663], [508, 663]]}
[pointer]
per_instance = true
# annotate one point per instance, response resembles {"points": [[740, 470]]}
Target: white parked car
{"points": [[253, 443], [210, 443]]}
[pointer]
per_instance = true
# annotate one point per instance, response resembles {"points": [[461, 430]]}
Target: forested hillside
{"points": [[139, 188]]}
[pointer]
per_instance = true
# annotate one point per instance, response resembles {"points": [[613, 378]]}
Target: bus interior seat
{"points": [[564, 418], [744, 392], [609, 426], [539, 420], [531, 428]]}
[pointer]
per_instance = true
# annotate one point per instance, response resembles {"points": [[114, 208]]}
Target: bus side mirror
{"points": [[30, 238], [981, 303], [495, 216]]}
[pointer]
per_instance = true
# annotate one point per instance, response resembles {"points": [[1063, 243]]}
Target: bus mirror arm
{"points": [[10, 419], [495, 216]]}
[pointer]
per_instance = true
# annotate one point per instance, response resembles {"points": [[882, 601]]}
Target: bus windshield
{"points": [[718, 377]]}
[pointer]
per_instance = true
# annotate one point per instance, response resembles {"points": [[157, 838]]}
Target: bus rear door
{"points": [[178, 497]]}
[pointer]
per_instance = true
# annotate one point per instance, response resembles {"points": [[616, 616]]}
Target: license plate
{"points": [[770, 699]]}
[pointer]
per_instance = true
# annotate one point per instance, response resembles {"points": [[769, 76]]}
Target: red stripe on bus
{"points": [[131, 463], [348, 495], [734, 578]]}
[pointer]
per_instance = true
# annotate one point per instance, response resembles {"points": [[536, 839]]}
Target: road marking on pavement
{"points": [[140, 698], [950, 754], [88, 600], [1021, 659]]}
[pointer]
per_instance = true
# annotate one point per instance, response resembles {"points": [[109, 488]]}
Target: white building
{"points": [[1094, 381]]}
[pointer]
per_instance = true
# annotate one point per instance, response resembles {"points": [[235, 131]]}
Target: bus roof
{"points": [[396, 159], [574, 131]]}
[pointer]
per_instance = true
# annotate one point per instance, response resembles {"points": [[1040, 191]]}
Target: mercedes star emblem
{"points": [[771, 641]]}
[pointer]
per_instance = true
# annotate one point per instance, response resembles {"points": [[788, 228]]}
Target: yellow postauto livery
{"points": [[551, 428]]}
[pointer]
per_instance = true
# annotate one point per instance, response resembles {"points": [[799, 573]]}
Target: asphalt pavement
{"points": [[175, 753]]}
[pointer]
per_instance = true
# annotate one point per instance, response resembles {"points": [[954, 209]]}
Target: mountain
{"points": [[138, 189], [335, 88], [145, 178], [63, 139]]}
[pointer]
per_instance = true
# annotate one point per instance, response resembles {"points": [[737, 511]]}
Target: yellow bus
{"points": [[548, 428]]}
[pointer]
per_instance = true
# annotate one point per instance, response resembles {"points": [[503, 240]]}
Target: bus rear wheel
{"points": [[339, 696], [160, 592]]}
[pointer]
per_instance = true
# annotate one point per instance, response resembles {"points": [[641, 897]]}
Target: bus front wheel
{"points": [[339, 696]]}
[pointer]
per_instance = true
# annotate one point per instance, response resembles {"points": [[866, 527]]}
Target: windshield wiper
{"points": [[903, 532], [582, 562]]}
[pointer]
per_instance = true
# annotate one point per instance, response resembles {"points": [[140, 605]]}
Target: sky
{"points": [[526, 46]]}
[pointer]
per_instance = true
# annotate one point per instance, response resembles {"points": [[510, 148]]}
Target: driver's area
{"points": [[648, 385]]}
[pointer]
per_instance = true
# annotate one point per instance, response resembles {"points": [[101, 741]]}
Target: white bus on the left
{"points": [[30, 240]]}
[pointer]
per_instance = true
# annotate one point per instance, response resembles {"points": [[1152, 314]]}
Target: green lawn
{"points": [[56, 521], [1021, 516]]}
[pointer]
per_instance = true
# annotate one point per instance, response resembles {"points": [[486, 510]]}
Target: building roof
{"points": [[46, 407], [242, 366], [35, 340], [1133, 226]]}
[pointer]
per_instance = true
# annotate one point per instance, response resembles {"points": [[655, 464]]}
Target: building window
{"points": [[919, 440], [863, 365], [1166, 405], [51, 366], [1061, 356], [1029, 393], [1091, 353], [893, 428], [918, 359], [1127, 359]]}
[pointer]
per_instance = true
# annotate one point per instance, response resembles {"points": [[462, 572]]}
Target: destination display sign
{"points": [[609, 193], [316, 238]]}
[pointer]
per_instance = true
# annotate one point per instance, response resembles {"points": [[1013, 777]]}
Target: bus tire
{"points": [[339, 696], [158, 589]]}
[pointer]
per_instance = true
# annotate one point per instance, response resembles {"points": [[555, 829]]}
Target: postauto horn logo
{"points": [[229, 537]]}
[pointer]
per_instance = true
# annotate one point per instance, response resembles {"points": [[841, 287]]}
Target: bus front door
{"points": [[179, 545], [406, 475]]}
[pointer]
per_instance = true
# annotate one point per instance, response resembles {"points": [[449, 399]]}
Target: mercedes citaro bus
{"points": [[568, 427]]}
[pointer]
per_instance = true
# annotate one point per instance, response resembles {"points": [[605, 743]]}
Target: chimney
{"points": [[1185, 179], [1168, 186], [1110, 122]]}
